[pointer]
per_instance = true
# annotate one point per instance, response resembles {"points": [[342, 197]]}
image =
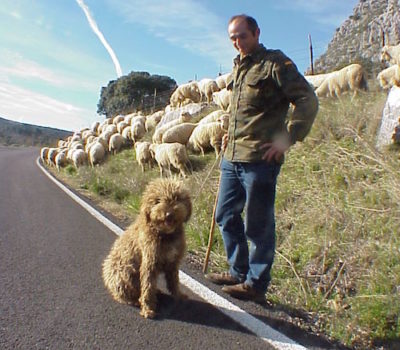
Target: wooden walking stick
{"points": [[211, 235]]}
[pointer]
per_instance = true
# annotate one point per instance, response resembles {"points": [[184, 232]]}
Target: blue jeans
{"points": [[250, 187]]}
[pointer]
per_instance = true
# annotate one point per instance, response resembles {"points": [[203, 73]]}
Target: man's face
{"points": [[242, 38]]}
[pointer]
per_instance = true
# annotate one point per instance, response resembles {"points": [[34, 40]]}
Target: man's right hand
{"points": [[224, 142]]}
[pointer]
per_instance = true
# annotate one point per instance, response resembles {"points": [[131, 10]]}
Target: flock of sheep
{"points": [[352, 77], [173, 134]]}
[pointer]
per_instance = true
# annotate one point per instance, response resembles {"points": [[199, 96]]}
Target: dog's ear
{"points": [[145, 212]]}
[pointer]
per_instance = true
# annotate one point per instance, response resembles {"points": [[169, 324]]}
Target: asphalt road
{"points": [[51, 291]]}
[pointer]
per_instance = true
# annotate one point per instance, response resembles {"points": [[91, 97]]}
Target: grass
{"points": [[338, 220]]}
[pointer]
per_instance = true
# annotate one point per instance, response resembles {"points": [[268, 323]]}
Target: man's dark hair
{"points": [[251, 22]]}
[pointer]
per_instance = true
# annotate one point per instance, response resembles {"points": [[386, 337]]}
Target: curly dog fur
{"points": [[153, 244]]}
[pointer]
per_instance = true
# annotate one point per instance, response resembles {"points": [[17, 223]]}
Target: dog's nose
{"points": [[169, 216]]}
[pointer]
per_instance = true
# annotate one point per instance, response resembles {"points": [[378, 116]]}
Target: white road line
{"points": [[278, 340]]}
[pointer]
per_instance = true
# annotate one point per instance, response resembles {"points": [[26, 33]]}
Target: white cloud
{"points": [[30, 107], [183, 23], [13, 64]]}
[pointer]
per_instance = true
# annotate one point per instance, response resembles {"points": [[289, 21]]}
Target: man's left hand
{"points": [[274, 150]]}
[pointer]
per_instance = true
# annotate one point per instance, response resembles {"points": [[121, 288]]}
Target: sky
{"points": [[56, 55]]}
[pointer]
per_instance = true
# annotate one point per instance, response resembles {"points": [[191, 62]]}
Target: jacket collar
{"points": [[255, 56]]}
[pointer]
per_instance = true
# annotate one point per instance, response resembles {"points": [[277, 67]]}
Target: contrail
{"points": [[97, 31]]}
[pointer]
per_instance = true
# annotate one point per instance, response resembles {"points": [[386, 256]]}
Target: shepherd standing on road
{"points": [[264, 82]]}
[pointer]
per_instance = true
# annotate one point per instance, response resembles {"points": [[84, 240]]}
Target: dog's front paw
{"points": [[147, 313]]}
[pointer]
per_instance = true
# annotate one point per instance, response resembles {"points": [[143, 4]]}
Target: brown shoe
{"points": [[245, 292], [222, 278]]}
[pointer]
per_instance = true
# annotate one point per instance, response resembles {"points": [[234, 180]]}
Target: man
{"points": [[264, 83]]}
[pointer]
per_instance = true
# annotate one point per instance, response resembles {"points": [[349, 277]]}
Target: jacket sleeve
{"points": [[298, 92]]}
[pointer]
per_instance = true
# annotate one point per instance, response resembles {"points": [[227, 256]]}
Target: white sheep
{"points": [[207, 135], [316, 80], [222, 99], [78, 157], [43, 154], [51, 155], [152, 120], [111, 128], [126, 133], [349, 78], [207, 87], [60, 160], [137, 130], [222, 80], [115, 143], [211, 117], [171, 155], [96, 154], [143, 155], [95, 127], [389, 77], [179, 133], [122, 125], [117, 119], [391, 54], [158, 133], [185, 91]]}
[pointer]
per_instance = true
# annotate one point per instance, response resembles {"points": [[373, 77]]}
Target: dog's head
{"points": [[166, 205]]}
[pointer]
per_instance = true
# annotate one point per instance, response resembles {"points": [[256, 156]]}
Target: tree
{"points": [[135, 92]]}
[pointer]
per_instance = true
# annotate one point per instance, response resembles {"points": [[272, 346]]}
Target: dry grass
{"points": [[338, 219]]}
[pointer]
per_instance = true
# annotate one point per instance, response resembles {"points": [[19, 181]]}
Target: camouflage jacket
{"points": [[263, 85]]}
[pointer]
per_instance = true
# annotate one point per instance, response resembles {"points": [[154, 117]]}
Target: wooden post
{"points": [[311, 55], [154, 100]]}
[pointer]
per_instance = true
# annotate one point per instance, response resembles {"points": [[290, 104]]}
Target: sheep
{"points": [[117, 119], [152, 120], [351, 77], [43, 154], [95, 127], [316, 80], [111, 128], [115, 143], [171, 154], [51, 156], [96, 153], [212, 117], [185, 91], [389, 77], [207, 87], [126, 133], [222, 99], [179, 133], [60, 160], [207, 135], [391, 54], [157, 136], [137, 130], [78, 157], [138, 119], [105, 136], [222, 80], [143, 155], [122, 125]]}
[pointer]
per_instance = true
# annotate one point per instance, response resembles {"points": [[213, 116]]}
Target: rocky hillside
{"points": [[361, 37], [20, 134]]}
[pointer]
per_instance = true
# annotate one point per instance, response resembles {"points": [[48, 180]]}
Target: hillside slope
{"points": [[20, 134], [361, 37]]}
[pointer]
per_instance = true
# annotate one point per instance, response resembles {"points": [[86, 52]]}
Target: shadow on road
{"points": [[199, 312]]}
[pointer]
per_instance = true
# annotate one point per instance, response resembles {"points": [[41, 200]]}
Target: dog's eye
{"points": [[156, 201]]}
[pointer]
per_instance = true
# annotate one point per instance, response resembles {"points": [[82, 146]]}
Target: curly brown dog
{"points": [[153, 244]]}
